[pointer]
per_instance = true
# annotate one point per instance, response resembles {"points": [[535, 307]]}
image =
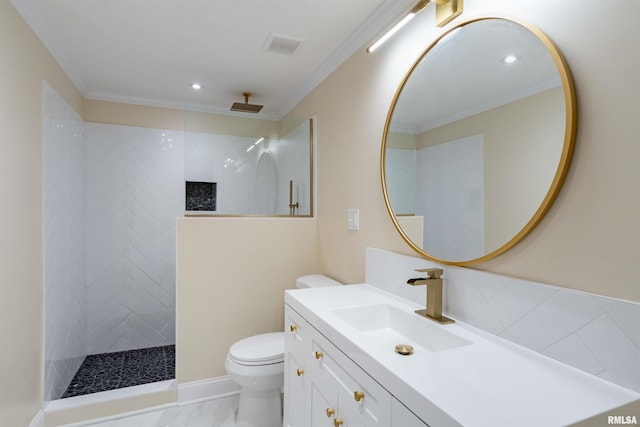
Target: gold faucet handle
{"points": [[432, 273]]}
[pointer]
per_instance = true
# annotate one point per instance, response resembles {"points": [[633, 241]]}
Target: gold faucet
{"points": [[434, 294]]}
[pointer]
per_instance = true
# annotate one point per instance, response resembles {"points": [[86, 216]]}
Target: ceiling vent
{"points": [[284, 45]]}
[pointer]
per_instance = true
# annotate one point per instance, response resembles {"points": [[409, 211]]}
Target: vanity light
{"points": [[391, 32], [446, 11]]}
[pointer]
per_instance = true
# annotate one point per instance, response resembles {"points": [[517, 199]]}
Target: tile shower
{"points": [[111, 198]]}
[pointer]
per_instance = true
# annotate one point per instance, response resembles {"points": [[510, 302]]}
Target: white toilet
{"points": [[256, 364]]}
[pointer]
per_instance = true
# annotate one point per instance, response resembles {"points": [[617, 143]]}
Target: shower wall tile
{"points": [[292, 154], [254, 181], [223, 159], [593, 333], [64, 242], [135, 192]]}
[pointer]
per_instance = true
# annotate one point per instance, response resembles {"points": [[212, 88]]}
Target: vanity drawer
{"points": [[297, 332], [354, 387]]}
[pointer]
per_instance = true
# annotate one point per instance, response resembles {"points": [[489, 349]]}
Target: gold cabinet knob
{"points": [[293, 328], [319, 355], [330, 412], [337, 422], [358, 395], [300, 372]]}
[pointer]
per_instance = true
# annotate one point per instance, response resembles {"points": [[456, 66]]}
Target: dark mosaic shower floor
{"points": [[109, 371]]}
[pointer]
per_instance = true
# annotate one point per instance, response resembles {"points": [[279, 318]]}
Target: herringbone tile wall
{"points": [[64, 242], [135, 192]]}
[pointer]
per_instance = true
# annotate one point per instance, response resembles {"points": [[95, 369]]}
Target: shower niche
{"points": [[200, 196]]}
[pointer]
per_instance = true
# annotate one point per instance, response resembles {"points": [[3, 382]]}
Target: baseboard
{"points": [[212, 388], [38, 420]]}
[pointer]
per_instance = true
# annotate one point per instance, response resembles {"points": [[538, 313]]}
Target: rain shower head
{"points": [[246, 107]]}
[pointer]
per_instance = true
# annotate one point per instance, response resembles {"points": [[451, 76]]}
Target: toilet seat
{"points": [[264, 349]]}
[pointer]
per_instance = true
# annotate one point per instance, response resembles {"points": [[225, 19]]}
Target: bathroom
{"points": [[588, 241]]}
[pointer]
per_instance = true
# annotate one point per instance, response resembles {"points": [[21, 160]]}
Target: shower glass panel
{"points": [[244, 166]]}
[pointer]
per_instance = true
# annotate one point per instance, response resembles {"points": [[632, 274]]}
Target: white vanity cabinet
{"points": [[297, 345], [324, 388], [327, 409], [357, 394]]}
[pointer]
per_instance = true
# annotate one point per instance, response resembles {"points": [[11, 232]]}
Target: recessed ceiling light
{"points": [[510, 59], [196, 86]]}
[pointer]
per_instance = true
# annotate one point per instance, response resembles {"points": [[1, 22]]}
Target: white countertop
{"points": [[490, 382]]}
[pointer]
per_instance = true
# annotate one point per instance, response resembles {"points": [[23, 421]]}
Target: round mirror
{"points": [[478, 140]]}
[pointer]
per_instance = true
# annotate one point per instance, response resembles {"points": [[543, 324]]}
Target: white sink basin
{"points": [[390, 326]]}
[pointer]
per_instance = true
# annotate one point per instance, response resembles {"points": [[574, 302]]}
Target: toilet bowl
{"points": [[256, 364]]}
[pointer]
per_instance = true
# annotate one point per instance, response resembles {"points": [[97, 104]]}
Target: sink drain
{"points": [[404, 349]]}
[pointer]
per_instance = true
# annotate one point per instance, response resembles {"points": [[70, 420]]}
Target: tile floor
{"points": [[210, 413], [110, 371]]}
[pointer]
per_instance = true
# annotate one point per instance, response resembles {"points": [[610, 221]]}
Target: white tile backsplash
{"points": [[593, 333], [618, 354]]}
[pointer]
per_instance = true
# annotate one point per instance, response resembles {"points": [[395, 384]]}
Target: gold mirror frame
{"points": [[563, 165]]}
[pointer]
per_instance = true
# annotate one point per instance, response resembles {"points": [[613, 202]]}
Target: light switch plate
{"points": [[353, 219]]}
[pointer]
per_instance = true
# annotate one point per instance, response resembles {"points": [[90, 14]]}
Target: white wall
{"points": [[135, 192], [64, 243]]}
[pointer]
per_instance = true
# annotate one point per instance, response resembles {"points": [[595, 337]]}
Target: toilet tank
{"points": [[315, 281]]}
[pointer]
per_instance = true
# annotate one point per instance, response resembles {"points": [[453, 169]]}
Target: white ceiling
{"points": [[149, 51]]}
